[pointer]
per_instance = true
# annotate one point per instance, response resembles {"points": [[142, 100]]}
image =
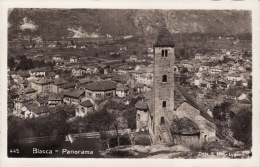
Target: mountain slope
{"points": [[55, 23]]}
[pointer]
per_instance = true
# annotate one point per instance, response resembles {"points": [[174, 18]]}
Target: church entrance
{"points": [[162, 120]]}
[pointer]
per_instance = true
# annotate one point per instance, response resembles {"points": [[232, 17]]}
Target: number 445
{"points": [[16, 151]]}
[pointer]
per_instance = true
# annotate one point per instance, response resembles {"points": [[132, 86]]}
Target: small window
{"points": [[83, 109], [162, 53], [165, 53], [162, 120], [164, 78], [164, 103]]}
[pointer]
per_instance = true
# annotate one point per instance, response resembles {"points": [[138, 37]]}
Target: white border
{"points": [[253, 5]]}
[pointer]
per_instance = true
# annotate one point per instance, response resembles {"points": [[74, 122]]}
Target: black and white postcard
{"points": [[91, 82]]}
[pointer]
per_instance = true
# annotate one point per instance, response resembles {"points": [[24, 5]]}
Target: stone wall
{"points": [[142, 118]]}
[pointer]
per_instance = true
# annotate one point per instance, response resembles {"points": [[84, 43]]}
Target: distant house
{"points": [[187, 65], [197, 81], [42, 85], [79, 71], [122, 48], [73, 59], [145, 78], [73, 96], [20, 102], [55, 99], [199, 56], [205, 85], [215, 70], [222, 85], [57, 83], [100, 90], [122, 70], [40, 111], [204, 67], [104, 69], [122, 91], [133, 58], [242, 97], [84, 108], [150, 50], [151, 55], [141, 88], [235, 77], [58, 59], [26, 111], [38, 72]]}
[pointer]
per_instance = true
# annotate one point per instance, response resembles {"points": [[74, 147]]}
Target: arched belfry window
{"points": [[162, 53], [166, 53], [164, 103], [164, 78]]}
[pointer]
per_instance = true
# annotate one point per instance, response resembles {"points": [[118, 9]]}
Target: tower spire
{"points": [[164, 38]]}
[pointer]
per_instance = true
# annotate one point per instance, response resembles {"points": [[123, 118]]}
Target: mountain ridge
{"points": [[53, 23]]}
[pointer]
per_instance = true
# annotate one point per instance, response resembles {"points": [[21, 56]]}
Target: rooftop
{"points": [[101, 86], [73, 92], [86, 103], [141, 105]]}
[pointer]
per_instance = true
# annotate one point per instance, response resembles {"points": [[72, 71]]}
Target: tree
{"points": [[242, 127], [25, 64], [100, 120], [221, 110], [11, 63]]}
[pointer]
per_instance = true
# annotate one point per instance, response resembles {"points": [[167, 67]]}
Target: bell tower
{"points": [[163, 87]]}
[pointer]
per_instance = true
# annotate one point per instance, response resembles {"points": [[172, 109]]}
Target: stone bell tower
{"points": [[163, 87]]}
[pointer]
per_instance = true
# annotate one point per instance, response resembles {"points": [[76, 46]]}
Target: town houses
{"points": [[94, 82]]}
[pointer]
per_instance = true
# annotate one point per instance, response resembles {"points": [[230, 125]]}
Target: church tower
{"points": [[163, 87]]}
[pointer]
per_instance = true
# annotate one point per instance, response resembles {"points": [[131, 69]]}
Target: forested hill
{"points": [[57, 23]]}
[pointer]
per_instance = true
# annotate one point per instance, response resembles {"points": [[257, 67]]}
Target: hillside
{"points": [[57, 23]]}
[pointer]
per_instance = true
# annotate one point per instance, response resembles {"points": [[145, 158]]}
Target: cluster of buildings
{"points": [[81, 88]]}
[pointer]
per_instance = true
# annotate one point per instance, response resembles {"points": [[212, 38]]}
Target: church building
{"points": [[165, 112]]}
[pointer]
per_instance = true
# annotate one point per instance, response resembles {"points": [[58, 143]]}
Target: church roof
{"points": [[141, 105], [164, 39], [185, 126]]}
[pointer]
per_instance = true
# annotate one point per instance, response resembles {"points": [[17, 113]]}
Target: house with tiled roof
{"points": [[124, 69], [73, 96], [26, 111], [21, 107], [55, 99], [38, 72], [57, 83], [57, 58], [145, 78], [73, 59], [100, 90], [84, 108], [64, 87], [104, 69], [42, 85], [141, 88], [78, 71], [122, 90]]}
